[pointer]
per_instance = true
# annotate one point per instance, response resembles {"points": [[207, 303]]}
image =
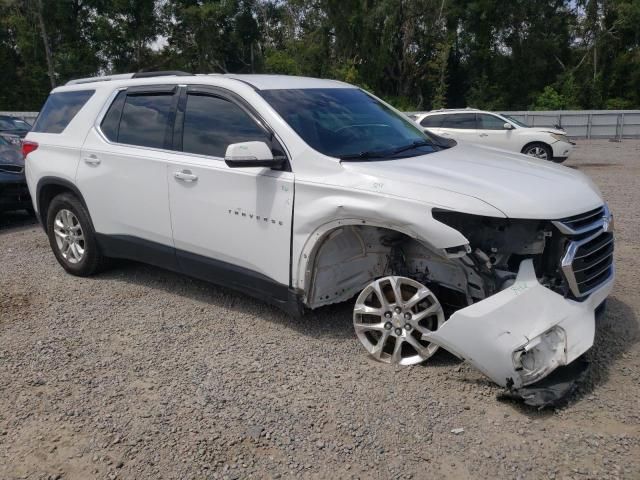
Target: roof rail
{"points": [[126, 76]]}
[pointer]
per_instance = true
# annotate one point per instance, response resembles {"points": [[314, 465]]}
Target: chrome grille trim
{"points": [[584, 222], [588, 259]]}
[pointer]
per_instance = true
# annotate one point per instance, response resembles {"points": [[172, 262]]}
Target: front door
{"points": [[491, 132], [230, 225]]}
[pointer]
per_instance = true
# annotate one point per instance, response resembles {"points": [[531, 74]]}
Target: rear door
{"points": [[459, 126], [122, 171], [491, 132], [230, 225]]}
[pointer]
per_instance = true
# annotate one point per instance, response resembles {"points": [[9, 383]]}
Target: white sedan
{"points": [[499, 131]]}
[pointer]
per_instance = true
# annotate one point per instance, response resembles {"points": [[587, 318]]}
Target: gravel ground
{"points": [[140, 373]]}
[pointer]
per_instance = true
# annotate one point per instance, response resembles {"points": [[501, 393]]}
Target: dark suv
{"points": [[14, 194]]}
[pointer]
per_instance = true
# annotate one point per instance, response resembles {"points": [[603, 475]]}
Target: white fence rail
{"points": [[26, 116], [616, 124]]}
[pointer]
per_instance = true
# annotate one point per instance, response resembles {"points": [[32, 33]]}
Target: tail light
{"points": [[28, 147]]}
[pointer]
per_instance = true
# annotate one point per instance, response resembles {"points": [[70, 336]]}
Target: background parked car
{"points": [[495, 130], [14, 126], [14, 194]]}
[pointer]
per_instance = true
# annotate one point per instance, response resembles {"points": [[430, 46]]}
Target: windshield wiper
{"points": [[416, 144], [385, 153], [367, 154]]}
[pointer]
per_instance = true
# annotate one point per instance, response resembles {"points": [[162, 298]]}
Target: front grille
{"points": [[11, 168], [588, 259], [584, 222]]}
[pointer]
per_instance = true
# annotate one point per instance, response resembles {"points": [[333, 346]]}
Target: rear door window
{"points": [[463, 121], [146, 120], [433, 121], [212, 123], [59, 110]]}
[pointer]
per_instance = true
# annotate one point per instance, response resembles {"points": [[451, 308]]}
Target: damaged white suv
{"points": [[307, 192]]}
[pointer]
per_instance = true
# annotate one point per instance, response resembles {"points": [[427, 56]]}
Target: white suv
{"points": [[307, 192], [494, 130]]}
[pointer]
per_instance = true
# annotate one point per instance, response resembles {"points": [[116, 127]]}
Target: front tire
{"points": [[72, 237], [538, 150]]}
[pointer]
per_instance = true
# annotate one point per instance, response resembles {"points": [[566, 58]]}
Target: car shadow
{"points": [[15, 219], [616, 329]]}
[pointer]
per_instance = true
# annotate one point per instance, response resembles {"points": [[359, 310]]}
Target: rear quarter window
{"points": [[59, 110]]}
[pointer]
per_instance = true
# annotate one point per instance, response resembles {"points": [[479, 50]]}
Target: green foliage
{"points": [[417, 54], [549, 99]]}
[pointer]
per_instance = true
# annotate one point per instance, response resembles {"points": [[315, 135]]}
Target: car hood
{"points": [[517, 185]]}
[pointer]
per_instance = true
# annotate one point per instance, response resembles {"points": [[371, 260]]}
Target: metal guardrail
{"points": [[617, 124]]}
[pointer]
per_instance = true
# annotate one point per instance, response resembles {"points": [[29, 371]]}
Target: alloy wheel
{"points": [[392, 318], [537, 152], [69, 236]]}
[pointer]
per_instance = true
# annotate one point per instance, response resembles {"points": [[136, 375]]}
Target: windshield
{"points": [[517, 122], [348, 123], [13, 124]]}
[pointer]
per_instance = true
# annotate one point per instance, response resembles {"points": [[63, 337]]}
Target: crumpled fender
{"points": [[487, 333]]}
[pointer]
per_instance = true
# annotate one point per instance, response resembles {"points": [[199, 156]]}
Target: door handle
{"points": [[185, 176], [484, 134], [91, 160]]}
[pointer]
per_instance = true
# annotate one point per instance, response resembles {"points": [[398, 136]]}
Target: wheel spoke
{"points": [[377, 349], [426, 312], [420, 295], [396, 357], [397, 292], [365, 309], [59, 233], [420, 349], [378, 327]]}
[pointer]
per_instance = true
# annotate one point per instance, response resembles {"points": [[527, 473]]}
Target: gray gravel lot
{"points": [[141, 373]]}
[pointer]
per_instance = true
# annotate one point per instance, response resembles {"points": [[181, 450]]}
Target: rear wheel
{"points": [[393, 317], [72, 237], [538, 150]]}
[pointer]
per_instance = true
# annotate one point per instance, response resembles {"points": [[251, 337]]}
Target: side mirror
{"points": [[250, 154], [508, 126]]}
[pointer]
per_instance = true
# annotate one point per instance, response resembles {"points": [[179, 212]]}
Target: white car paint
{"points": [[275, 222], [514, 139], [486, 334]]}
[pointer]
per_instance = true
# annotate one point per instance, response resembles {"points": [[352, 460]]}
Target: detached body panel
{"points": [[491, 334]]}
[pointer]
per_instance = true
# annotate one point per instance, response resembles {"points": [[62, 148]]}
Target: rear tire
{"points": [[72, 237], [538, 150]]}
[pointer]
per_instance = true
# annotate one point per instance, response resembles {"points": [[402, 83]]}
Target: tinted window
{"points": [[433, 121], [344, 122], [146, 120], [111, 121], [490, 122], [212, 123], [59, 110], [463, 121]]}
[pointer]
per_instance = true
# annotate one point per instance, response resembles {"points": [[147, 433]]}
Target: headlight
{"points": [[560, 137], [541, 355]]}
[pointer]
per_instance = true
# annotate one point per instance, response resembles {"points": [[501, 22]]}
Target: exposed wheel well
{"points": [[48, 188], [348, 258]]}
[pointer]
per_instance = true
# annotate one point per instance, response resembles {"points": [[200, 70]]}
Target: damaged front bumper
{"points": [[520, 335]]}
